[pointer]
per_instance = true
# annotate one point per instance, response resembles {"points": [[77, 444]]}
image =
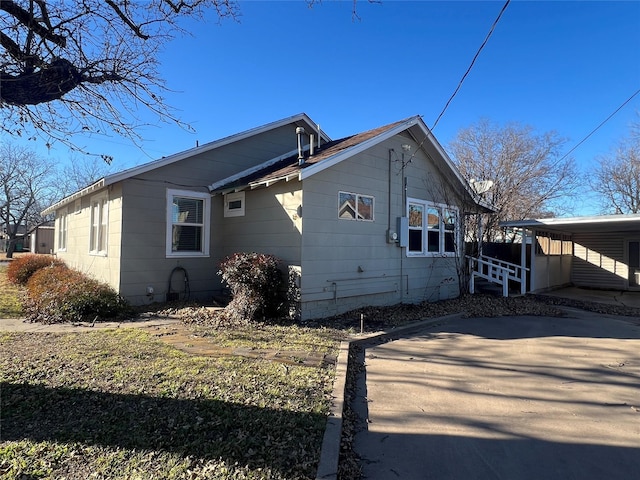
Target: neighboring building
{"points": [[594, 252], [41, 239], [371, 219]]}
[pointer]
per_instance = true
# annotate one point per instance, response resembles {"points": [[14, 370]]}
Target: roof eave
{"points": [[71, 198]]}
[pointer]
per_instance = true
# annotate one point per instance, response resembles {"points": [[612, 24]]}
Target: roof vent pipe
{"points": [[299, 133], [311, 145], [319, 134]]}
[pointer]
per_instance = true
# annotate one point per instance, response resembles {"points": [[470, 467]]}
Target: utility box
{"points": [[402, 229]]}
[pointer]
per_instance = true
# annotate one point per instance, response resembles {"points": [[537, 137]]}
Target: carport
{"points": [[599, 252]]}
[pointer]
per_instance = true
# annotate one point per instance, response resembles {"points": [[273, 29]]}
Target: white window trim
{"points": [[206, 222], [441, 237], [357, 195], [62, 231], [234, 197], [103, 226]]}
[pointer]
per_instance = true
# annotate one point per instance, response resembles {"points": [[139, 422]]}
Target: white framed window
{"points": [[234, 204], [355, 206], [99, 222], [433, 229], [62, 222], [188, 228]]}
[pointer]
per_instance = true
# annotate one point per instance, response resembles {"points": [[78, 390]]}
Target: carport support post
{"points": [[523, 262], [532, 271]]}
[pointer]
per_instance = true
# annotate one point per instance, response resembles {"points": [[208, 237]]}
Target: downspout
{"points": [[389, 196], [523, 261]]}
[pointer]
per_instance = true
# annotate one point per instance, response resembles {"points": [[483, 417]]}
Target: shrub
{"points": [[21, 269], [255, 281], [58, 294]]}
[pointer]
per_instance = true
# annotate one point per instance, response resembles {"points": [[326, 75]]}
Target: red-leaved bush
{"points": [[57, 294], [20, 269], [255, 281]]}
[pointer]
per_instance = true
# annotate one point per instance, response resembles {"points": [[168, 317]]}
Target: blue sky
{"points": [[562, 66]]}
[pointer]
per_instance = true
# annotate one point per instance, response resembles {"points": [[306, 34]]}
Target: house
{"points": [[370, 219], [600, 252]]}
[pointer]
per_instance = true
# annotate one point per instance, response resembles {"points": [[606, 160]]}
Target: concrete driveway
{"points": [[504, 398]]}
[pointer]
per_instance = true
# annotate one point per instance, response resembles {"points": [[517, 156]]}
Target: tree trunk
{"points": [[11, 247]]}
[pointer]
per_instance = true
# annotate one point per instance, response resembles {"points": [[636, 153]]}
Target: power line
{"points": [[504, 7], [601, 124]]}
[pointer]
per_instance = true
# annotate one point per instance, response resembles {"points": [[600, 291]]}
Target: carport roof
{"points": [[599, 223]]}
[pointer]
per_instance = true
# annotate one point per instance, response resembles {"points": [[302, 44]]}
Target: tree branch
{"points": [[31, 23], [134, 28], [49, 83]]}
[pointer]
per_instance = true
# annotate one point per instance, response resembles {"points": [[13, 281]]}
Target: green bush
{"points": [[21, 269], [255, 281], [58, 294]]}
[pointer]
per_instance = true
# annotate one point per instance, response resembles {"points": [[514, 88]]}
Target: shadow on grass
{"points": [[207, 429]]}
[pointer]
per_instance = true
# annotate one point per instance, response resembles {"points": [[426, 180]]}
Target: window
{"points": [[187, 223], [433, 229], [234, 204], [99, 221], [63, 224], [416, 216], [450, 226], [354, 206]]}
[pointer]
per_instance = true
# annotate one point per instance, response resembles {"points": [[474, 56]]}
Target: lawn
{"points": [[121, 404], [10, 306]]}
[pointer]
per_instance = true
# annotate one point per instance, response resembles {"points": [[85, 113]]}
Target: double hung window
{"points": [[187, 223], [99, 221], [62, 223]]}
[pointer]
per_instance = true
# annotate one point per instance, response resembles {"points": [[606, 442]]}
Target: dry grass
{"points": [[10, 297]]}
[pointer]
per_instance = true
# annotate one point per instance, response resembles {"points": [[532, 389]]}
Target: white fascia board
{"points": [[569, 221], [249, 171], [65, 201], [356, 149]]}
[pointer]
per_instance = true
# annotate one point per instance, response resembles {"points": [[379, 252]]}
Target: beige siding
{"points": [[271, 223], [77, 255], [347, 264], [599, 261], [144, 260]]}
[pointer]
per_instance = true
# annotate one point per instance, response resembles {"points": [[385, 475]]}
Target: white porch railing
{"points": [[496, 271]]}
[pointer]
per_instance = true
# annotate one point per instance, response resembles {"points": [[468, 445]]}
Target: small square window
{"points": [[234, 204]]}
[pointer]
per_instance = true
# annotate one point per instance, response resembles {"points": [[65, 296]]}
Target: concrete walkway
{"points": [[607, 297], [503, 398]]}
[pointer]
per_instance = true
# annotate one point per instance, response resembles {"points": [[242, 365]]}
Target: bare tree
{"points": [[80, 172], [26, 188], [617, 177], [529, 174], [87, 66]]}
